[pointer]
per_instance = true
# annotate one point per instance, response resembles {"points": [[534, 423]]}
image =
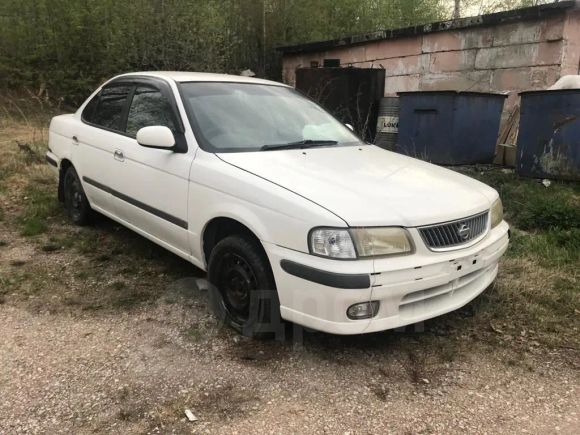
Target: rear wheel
{"points": [[243, 290], [75, 200]]}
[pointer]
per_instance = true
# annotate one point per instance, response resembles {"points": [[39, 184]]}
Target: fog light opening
{"points": [[364, 310]]}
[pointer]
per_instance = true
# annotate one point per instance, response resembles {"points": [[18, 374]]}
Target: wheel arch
{"points": [[221, 227]]}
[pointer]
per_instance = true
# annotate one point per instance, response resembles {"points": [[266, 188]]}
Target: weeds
{"points": [[41, 204], [529, 205], [538, 286]]}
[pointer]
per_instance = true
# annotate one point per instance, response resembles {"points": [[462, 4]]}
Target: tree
{"points": [[63, 48], [457, 9], [480, 7]]}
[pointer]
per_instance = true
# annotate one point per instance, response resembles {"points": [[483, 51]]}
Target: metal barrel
{"points": [[388, 123]]}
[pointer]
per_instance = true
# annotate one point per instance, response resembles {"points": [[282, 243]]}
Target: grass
{"points": [[538, 288], [25, 176], [40, 205]]}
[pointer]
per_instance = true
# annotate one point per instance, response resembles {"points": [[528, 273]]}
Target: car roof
{"points": [[185, 76]]}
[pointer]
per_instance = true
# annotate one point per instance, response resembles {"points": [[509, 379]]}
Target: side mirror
{"points": [[350, 127], [156, 136]]}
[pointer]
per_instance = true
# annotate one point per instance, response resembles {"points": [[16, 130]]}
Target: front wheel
{"points": [[243, 290], [75, 200]]}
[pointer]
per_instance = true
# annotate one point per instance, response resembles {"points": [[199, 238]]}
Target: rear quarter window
{"points": [[90, 108]]}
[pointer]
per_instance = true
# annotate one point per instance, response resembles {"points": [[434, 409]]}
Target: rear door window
{"points": [[149, 107]]}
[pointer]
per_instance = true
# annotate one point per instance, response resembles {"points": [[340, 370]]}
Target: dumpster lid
{"points": [[551, 91], [489, 94]]}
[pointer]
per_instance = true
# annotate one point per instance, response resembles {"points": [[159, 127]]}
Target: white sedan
{"points": [[291, 215]]}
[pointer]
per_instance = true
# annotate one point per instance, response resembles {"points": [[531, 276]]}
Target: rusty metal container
{"points": [[549, 135]]}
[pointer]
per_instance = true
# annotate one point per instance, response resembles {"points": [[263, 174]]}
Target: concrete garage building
{"points": [[523, 49]]}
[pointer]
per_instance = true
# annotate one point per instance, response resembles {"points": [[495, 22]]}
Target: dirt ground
{"points": [[103, 332]]}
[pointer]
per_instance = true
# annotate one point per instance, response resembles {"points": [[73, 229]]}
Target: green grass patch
{"points": [[545, 221], [548, 213], [538, 287], [549, 249], [40, 205], [33, 226], [529, 205]]}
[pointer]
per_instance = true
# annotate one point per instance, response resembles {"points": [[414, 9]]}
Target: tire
{"points": [[243, 292], [75, 200]]}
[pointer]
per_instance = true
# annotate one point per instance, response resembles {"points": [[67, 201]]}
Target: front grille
{"points": [[455, 233]]}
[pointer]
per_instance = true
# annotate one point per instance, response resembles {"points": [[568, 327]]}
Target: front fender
{"points": [[274, 214]]}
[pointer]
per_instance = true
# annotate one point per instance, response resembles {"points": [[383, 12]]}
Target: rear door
{"points": [[151, 185], [95, 140]]}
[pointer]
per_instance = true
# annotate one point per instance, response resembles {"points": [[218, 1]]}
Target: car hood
{"points": [[369, 186]]}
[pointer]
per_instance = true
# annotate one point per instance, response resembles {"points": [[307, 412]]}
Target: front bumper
{"points": [[410, 288]]}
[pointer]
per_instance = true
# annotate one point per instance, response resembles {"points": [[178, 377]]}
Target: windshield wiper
{"points": [[308, 143]]}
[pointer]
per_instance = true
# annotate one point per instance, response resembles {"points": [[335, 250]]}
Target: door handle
{"points": [[75, 140], [118, 155]]}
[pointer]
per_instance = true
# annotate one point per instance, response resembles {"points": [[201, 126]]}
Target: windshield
{"points": [[236, 117]]}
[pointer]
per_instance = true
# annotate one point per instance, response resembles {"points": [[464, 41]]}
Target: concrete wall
{"points": [[504, 58], [512, 57]]}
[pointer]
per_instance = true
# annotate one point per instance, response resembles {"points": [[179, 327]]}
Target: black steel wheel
{"points": [[243, 287], [75, 200]]}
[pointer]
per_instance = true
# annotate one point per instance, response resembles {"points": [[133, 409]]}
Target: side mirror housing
{"points": [[156, 136]]}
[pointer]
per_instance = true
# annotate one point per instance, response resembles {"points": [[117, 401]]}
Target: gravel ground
{"points": [[137, 373]]}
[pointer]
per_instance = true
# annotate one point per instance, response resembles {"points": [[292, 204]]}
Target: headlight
{"points": [[374, 242], [332, 242], [496, 213], [366, 242]]}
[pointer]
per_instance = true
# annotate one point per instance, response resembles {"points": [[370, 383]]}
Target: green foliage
{"points": [[62, 49], [478, 7]]}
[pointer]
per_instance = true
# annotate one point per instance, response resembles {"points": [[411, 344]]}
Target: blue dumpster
{"points": [[449, 127], [549, 135]]}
